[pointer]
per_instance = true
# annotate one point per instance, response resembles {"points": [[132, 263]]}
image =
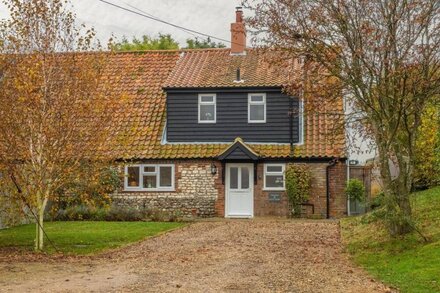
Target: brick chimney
{"points": [[238, 33]]}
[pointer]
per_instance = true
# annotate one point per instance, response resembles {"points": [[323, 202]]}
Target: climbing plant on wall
{"points": [[298, 178]]}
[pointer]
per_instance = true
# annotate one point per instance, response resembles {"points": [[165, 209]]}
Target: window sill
{"points": [[274, 189], [128, 190]]}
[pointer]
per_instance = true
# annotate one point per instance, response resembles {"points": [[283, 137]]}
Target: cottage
{"points": [[209, 132]]}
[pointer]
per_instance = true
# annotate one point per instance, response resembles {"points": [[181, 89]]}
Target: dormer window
{"points": [[257, 108], [207, 108]]}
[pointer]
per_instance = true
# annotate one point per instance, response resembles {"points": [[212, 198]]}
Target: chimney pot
{"points": [[238, 33], [238, 14]]}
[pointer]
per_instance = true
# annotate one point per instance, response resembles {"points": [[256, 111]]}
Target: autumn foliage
{"points": [[55, 107], [385, 59]]}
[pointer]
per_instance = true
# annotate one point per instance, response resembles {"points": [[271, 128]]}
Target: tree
{"points": [[427, 154], [54, 106], [382, 55], [206, 43], [163, 42]]}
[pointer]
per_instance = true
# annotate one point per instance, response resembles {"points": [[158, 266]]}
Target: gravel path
{"points": [[232, 256]]}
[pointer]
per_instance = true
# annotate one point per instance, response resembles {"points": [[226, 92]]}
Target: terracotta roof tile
{"points": [[217, 68], [141, 76]]}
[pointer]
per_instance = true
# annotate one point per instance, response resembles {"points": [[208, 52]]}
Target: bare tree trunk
{"points": [[37, 233], [397, 188], [40, 228], [39, 236]]}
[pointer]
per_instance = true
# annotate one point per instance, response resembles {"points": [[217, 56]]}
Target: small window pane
{"points": [[150, 169], [205, 99], [207, 112], [165, 176], [233, 176], [257, 98], [150, 181], [133, 176], [274, 181], [244, 178], [274, 169], [256, 112]]}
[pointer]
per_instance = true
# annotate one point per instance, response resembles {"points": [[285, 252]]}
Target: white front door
{"points": [[239, 191]]}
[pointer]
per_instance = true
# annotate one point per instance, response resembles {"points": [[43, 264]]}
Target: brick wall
{"points": [[220, 203], [262, 205], [338, 181], [318, 196]]}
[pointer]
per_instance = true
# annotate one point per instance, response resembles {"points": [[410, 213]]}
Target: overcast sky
{"points": [[212, 17]]}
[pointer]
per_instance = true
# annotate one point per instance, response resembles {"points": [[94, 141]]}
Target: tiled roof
{"points": [[217, 68], [141, 76]]}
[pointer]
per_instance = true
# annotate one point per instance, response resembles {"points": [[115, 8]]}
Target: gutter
{"points": [[327, 180]]}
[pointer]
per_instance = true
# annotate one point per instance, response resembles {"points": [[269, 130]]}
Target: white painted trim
{"points": [[256, 103], [141, 177], [251, 186], [163, 140], [214, 102], [283, 171], [301, 123]]}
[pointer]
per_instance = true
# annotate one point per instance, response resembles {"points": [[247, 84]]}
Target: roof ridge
{"points": [[182, 50]]}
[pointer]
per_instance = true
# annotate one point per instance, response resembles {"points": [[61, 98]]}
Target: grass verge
{"points": [[407, 263], [85, 237]]}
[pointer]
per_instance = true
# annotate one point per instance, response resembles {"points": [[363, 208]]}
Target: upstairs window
{"points": [[149, 177], [257, 108], [207, 108]]}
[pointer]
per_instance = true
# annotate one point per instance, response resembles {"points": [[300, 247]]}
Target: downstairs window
{"points": [[157, 177], [274, 176]]}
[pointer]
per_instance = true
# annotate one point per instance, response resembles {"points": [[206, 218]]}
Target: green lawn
{"points": [[407, 263], [83, 237]]}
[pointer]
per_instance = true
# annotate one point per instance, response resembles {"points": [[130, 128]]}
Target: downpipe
{"points": [[327, 177]]}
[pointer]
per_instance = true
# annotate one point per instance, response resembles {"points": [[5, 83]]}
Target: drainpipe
{"points": [[327, 176]]}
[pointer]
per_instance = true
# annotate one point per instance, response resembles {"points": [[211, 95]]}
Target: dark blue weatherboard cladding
{"points": [[232, 118]]}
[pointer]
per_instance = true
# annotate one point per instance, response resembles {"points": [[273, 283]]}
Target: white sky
{"points": [[212, 17]]}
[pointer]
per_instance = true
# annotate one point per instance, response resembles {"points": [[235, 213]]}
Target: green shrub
{"points": [[129, 214], [114, 213], [92, 190], [298, 179], [355, 190], [377, 201]]}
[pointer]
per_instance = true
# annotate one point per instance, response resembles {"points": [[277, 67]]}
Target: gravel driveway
{"points": [[260, 255]]}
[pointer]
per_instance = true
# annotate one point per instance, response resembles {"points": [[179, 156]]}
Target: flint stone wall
{"points": [[195, 192]]}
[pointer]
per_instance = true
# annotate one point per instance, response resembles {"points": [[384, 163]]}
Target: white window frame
{"points": [[141, 179], [214, 102], [283, 173], [250, 102]]}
